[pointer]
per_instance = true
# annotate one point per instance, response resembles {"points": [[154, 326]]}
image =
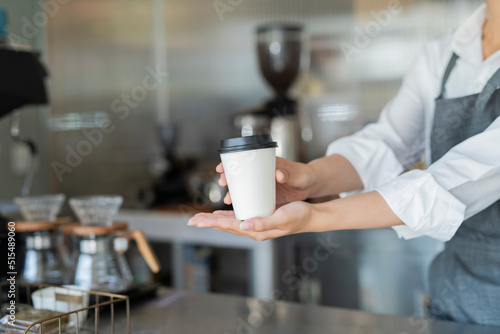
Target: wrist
{"points": [[312, 174], [308, 218], [324, 216]]}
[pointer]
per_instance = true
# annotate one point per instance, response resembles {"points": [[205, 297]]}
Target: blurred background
{"points": [[157, 146]]}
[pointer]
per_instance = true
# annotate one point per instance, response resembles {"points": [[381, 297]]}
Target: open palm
{"points": [[288, 219]]}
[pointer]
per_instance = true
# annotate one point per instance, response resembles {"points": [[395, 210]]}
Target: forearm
{"points": [[334, 174], [362, 211]]}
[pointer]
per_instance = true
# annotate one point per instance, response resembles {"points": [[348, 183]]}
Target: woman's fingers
{"points": [[222, 180], [233, 232], [227, 199], [287, 219], [219, 168], [259, 236], [280, 223], [227, 213], [214, 220], [261, 224], [280, 173], [281, 176], [225, 221], [283, 170], [196, 219], [297, 175]]}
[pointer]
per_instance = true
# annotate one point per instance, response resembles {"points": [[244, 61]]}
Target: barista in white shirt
{"points": [[448, 108]]}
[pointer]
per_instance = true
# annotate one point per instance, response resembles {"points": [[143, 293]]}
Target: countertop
{"points": [[183, 312]]}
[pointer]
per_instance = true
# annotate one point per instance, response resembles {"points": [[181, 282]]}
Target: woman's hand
{"points": [[293, 181], [288, 219], [366, 210]]}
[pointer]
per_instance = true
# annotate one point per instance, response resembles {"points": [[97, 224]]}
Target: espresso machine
{"points": [[279, 49]]}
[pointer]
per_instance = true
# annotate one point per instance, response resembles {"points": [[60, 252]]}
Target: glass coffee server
{"points": [[43, 255], [98, 261]]}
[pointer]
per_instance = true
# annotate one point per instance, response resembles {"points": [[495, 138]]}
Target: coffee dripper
{"points": [[42, 251], [98, 261]]}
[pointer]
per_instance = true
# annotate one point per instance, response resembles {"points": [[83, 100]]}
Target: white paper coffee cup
{"points": [[249, 166]]}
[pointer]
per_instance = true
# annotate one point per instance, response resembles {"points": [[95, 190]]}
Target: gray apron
{"points": [[465, 277]]}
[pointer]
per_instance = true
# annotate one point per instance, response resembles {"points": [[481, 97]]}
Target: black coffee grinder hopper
{"points": [[279, 49]]}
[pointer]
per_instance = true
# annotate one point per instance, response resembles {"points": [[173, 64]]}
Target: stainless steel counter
{"points": [[183, 313]]}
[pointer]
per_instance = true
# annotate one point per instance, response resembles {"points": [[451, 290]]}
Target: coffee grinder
{"points": [[279, 49]]}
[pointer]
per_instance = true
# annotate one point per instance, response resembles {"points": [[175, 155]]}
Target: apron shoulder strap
{"points": [[449, 68], [491, 87]]}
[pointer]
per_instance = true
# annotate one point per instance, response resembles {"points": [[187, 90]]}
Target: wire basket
{"points": [[91, 311]]}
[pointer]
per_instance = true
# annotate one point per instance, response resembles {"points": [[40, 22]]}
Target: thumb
{"points": [[282, 173], [259, 224]]}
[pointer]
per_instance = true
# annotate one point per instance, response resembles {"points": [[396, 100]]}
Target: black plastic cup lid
{"points": [[288, 27], [246, 143]]}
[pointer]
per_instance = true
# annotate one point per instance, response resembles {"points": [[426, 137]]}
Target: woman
{"points": [[447, 107]]}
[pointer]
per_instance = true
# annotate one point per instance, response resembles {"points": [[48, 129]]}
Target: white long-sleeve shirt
{"points": [[466, 180]]}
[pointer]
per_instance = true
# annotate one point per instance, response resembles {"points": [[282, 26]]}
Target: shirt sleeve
{"points": [[383, 150], [436, 201], [465, 181]]}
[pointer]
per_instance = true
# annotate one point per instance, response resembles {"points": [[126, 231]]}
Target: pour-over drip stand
{"points": [[42, 253], [106, 244], [43, 208], [101, 241], [96, 210]]}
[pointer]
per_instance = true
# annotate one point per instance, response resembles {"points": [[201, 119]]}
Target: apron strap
{"points": [[491, 87], [451, 65]]}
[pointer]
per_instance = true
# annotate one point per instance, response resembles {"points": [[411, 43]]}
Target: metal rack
{"points": [[99, 303]]}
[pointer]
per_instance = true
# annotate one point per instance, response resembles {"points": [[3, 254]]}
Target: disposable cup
{"points": [[249, 166]]}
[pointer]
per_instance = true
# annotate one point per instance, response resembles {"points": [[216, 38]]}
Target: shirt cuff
{"points": [[404, 232], [375, 163], [424, 206]]}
